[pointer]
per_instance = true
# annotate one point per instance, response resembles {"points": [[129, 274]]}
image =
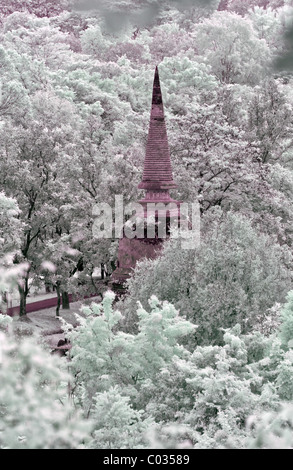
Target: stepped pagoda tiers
{"points": [[157, 176], [157, 180]]}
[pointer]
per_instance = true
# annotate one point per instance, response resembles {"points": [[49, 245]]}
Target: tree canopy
{"points": [[200, 349]]}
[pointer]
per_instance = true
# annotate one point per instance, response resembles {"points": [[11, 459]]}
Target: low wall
{"points": [[45, 303]]}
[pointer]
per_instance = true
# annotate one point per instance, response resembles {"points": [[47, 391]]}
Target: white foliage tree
{"points": [[35, 412]]}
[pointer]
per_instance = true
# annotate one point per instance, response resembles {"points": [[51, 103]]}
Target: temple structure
{"points": [[157, 175], [157, 180]]}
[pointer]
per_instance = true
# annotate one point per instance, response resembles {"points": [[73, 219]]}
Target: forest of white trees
{"points": [[199, 353]]}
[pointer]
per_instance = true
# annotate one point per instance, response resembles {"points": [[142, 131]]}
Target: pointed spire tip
{"points": [[157, 94]]}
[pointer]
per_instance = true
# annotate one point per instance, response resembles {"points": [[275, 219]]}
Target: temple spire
{"points": [[157, 208], [157, 174]]}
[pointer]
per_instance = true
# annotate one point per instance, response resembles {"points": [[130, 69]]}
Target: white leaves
{"points": [[35, 387], [49, 266], [235, 57], [272, 430]]}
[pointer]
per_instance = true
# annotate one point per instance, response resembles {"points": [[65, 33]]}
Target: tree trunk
{"points": [[65, 301], [58, 298], [113, 266], [48, 287], [106, 270], [22, 305], [102, 271], [4, 302]]}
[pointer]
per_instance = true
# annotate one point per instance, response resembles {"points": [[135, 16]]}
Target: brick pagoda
{"points": [[157, 180]]}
